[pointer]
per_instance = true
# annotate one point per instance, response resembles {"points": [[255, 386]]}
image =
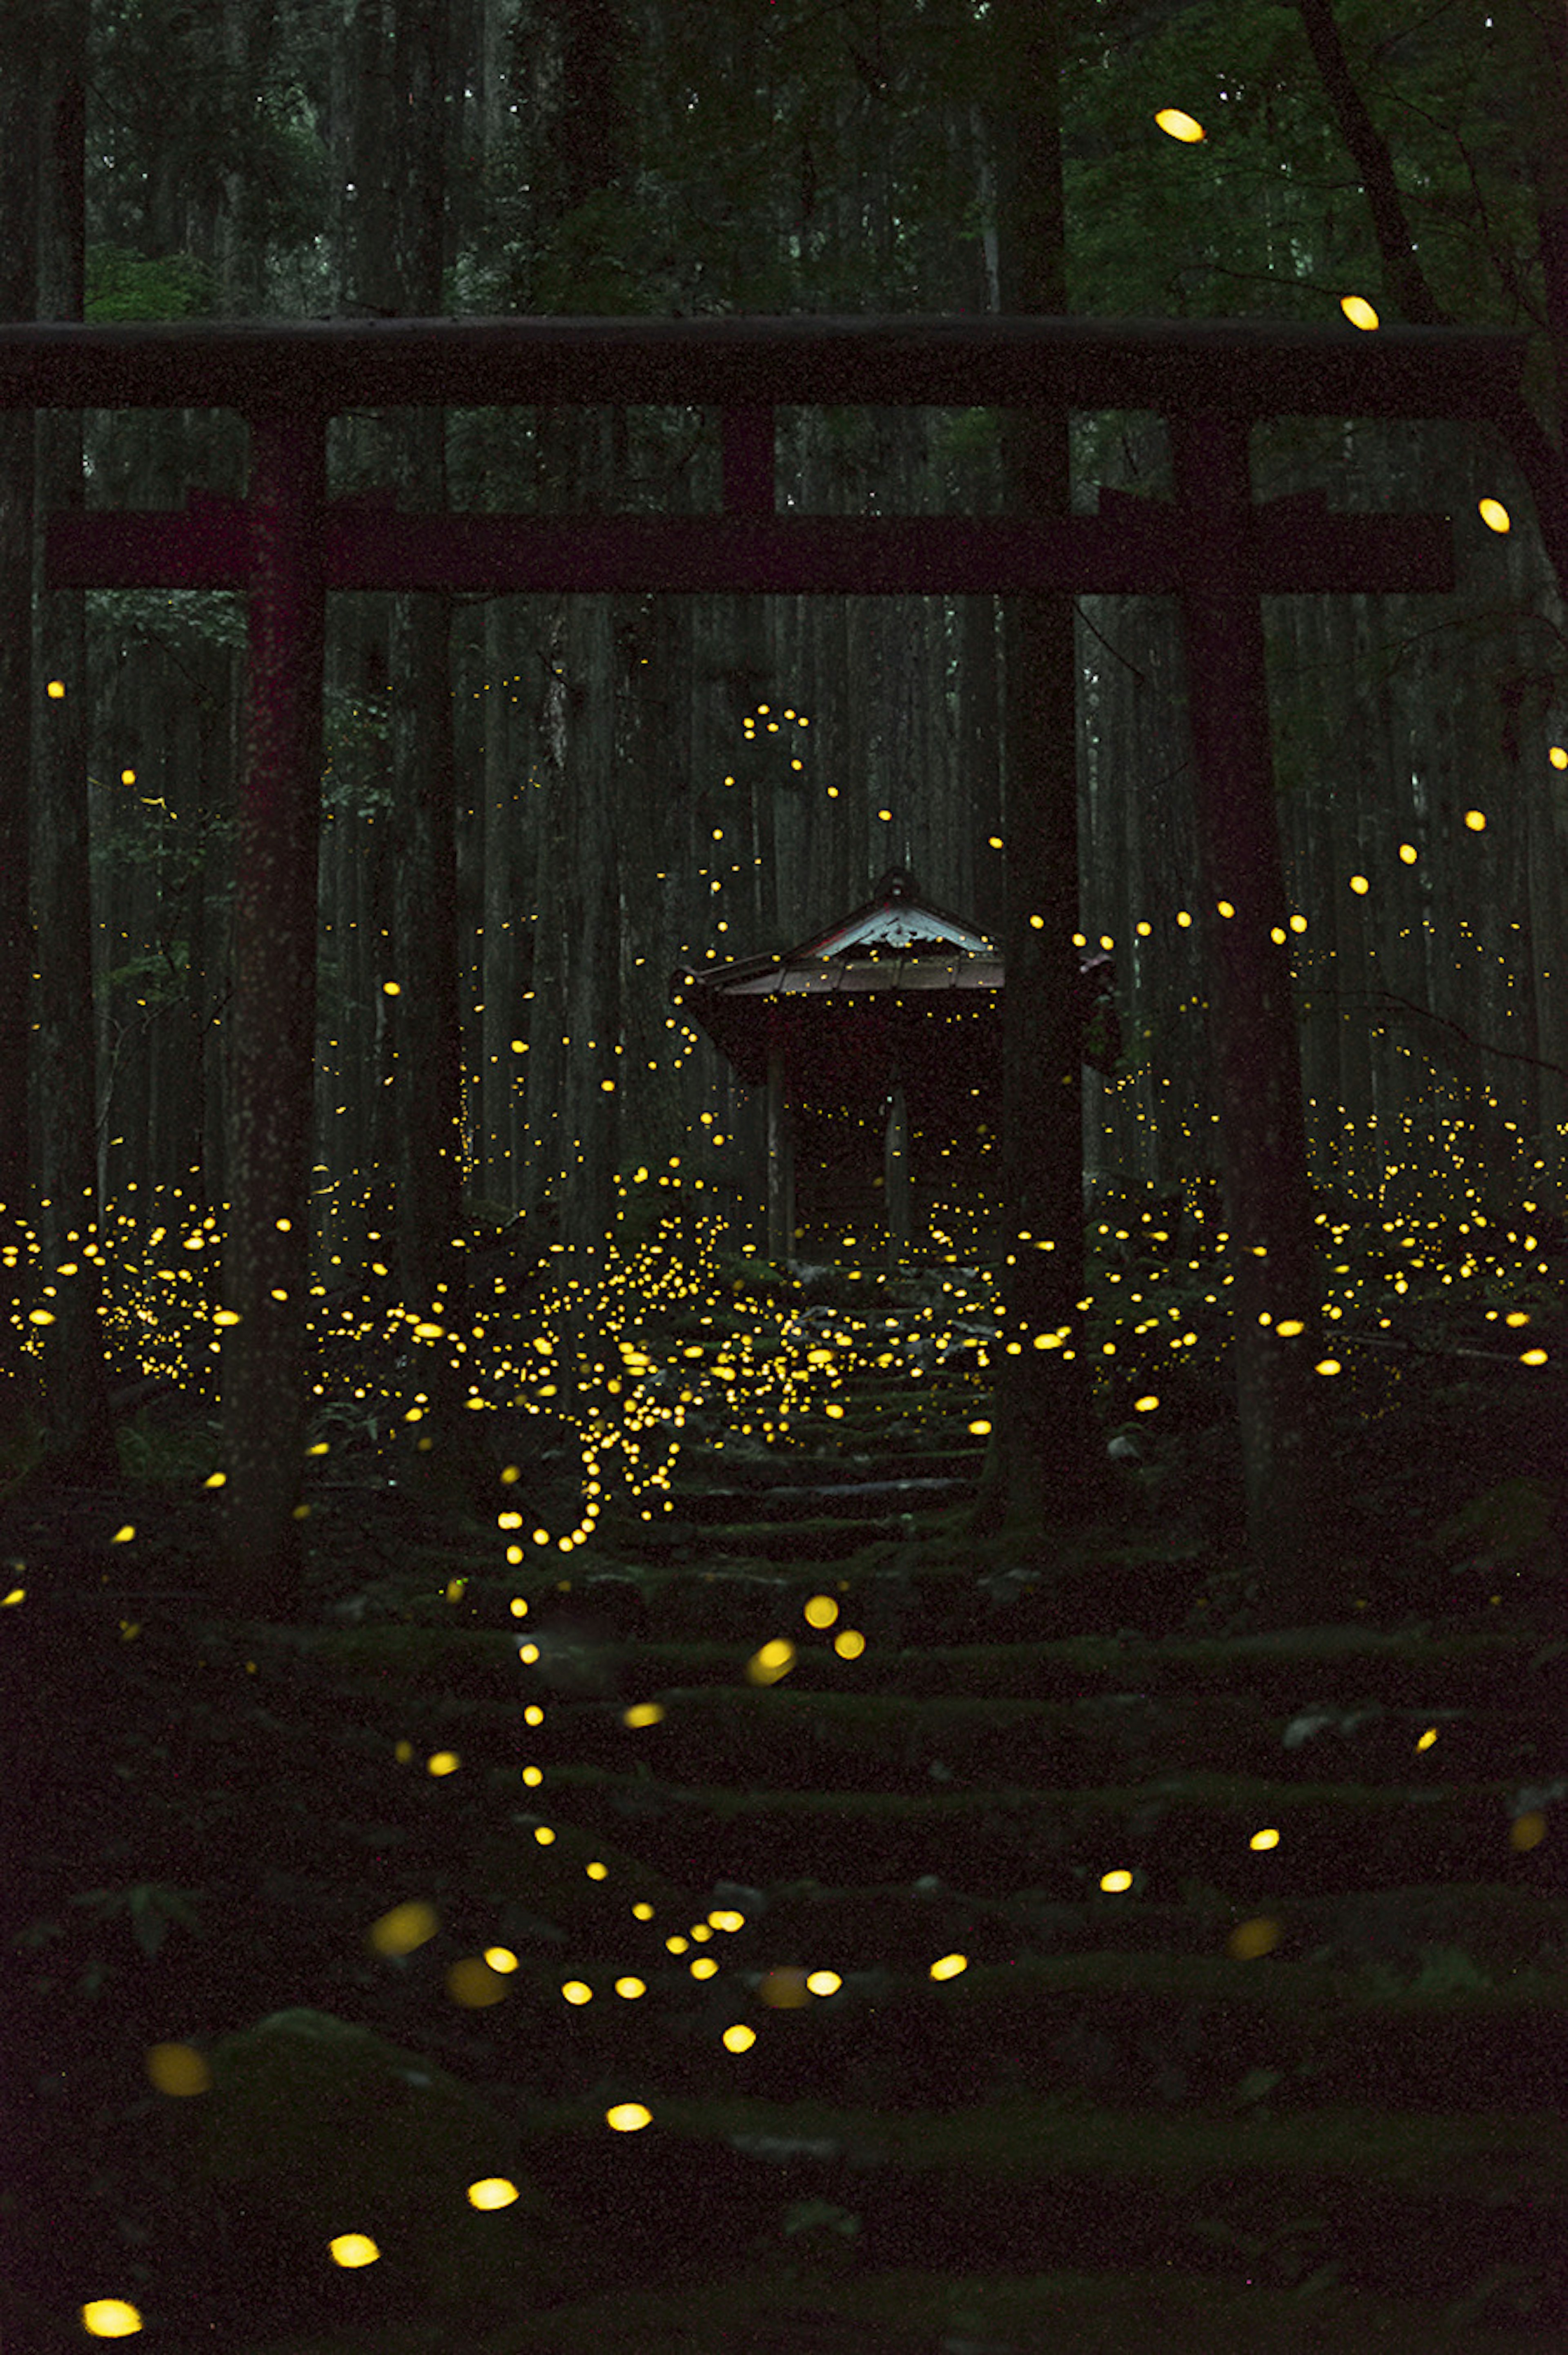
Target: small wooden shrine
{"points": [[879, 1041]]}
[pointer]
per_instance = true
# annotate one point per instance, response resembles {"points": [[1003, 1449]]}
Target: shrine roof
{"points": [[903, 941]]}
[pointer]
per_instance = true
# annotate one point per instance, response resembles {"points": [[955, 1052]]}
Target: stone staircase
{"points": [[991, 1986], [1082, 1984]]}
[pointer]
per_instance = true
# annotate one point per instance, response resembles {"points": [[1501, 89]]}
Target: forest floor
{"points": [[1011, 1949]]}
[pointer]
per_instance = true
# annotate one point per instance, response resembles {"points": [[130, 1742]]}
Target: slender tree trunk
{"points": [[1044, 1467], [272, 1094], [78, 1436], [19, 209], [1253, 1031]]}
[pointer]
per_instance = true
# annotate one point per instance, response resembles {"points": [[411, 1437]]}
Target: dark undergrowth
{"points": [[216, 1815]]}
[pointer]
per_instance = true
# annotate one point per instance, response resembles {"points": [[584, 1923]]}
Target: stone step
{"points": [[1192, 2033], [839, 1497], [1372, 2201], [1163, 1831]]}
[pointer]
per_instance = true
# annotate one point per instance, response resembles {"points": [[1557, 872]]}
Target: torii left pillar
{"points": [[272, 1038]]}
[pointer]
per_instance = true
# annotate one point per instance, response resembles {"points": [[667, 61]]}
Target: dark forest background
{"points": [[638, 782], [372, 1912]]}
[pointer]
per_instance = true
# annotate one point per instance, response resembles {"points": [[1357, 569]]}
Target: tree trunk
{"points": [[18, 210], [272, 1021], [1044, 1465], [1253, 1032], [78, 1437]]}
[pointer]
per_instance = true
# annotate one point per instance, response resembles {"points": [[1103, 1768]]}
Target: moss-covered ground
{"points": [[1012, 1945]]}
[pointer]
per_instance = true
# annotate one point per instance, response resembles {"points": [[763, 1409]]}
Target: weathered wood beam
{"points": [[1258, 367], [1133, 548]]}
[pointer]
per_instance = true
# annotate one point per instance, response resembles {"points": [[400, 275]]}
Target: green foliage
{"points": [[149, 1906], [148, 1452], [329, 2128], [125, 284]]}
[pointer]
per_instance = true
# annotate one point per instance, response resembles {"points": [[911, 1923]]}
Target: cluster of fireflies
{"points": [[590, 1351]]}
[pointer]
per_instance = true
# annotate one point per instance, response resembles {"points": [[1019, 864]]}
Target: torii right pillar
{"points": [[1255, 1043]]}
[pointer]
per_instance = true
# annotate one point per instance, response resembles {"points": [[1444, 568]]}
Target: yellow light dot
{"points": [[1534, 1358], [630, 1989], [1144, 1405], [543, 1835], [491, 2192], [392, 989], [123, 1535], [442, 1761], [1493, 513], [950, 1965], [577, 1991], [1558, 756], [1359, 885], [1297, 924], [1265, 1839], [645, 1713], [1184, 919], [1250, 1939], [628, 2116], [1116, 1881], [127, 776], [472, 1983], [1327, 1366], [1358, 311], [40, 1316], [774, 1660], [110, 2318], [739, 2039], [1177, 125], [226, 1317], [821, 1611], [1476, 820], [849, 1644], [1407, 852], [352, 2250], [404, 1928], [178, 2069]]}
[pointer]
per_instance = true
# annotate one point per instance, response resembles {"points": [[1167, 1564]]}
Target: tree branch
{"points": [[1402, 274]]}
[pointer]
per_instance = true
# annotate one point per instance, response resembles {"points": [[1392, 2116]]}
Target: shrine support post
{"points": [[895, 1190], [1252, 1023], [273, 1015], [780, 1165]]}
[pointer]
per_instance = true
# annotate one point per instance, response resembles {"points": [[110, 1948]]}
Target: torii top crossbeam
{"points": [[1258, 367]]}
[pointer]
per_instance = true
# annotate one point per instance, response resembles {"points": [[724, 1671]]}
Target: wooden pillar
{"points": [[780, 1165], [272, 1016], [895, 1176], [1252, 1033]]}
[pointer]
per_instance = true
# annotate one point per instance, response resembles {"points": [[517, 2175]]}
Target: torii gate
{"points": [[287, 544]]}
